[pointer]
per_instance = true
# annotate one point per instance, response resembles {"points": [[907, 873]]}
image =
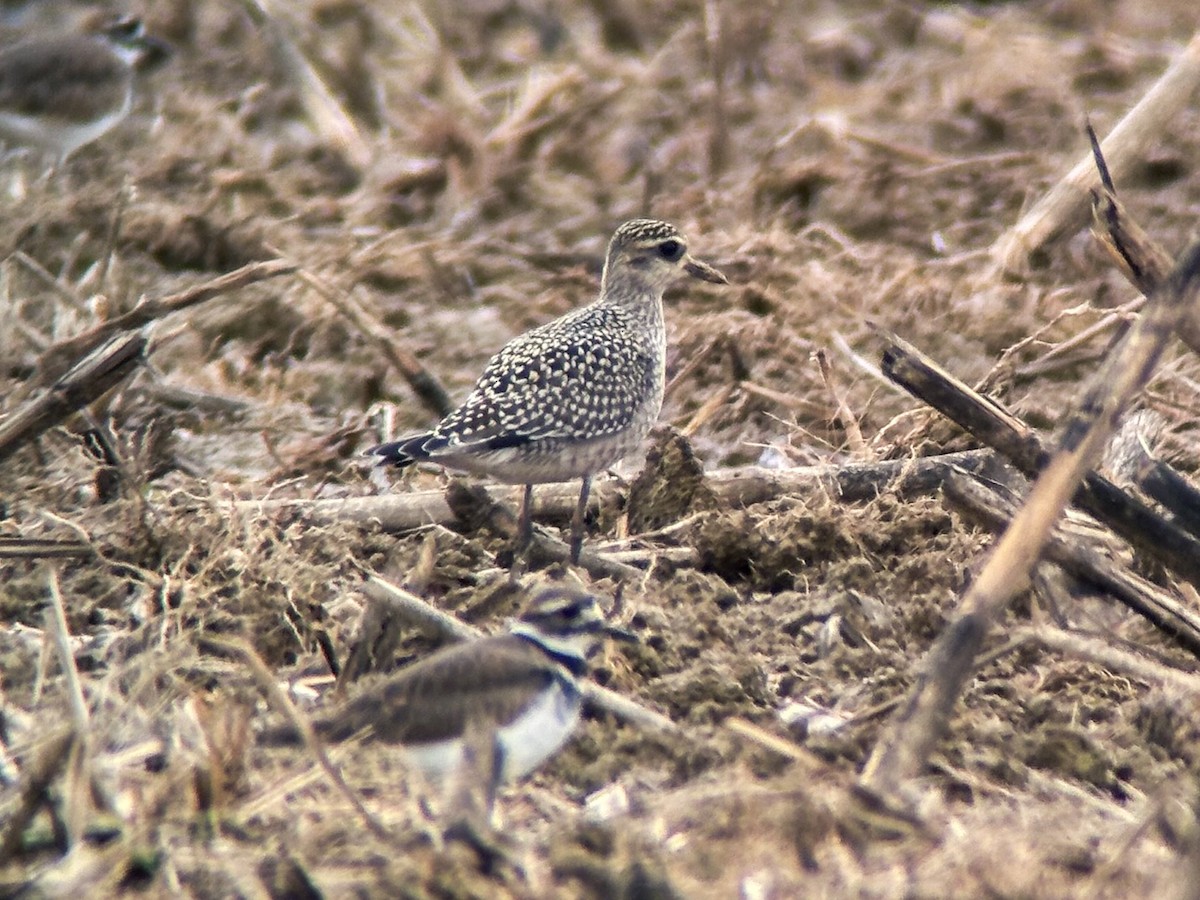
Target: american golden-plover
{"points": [[516, 693], [571, 397], [59, 93]]}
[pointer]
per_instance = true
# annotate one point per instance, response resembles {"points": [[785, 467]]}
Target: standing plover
{"points": [[59, 93], [571, 397]]}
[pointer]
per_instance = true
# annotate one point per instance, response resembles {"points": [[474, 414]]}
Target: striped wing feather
{"points": [[433, 699], [70, 79]]}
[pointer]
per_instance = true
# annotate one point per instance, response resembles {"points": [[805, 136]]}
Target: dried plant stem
{"points": [[89, 380], [912, 732], [1125, 144], [56, 624], [1138, 256], [427, 388], [1143, 597], [741, 486], [325, 113], [1113, 658], [845, 415], [62, 355], [1125, 514]]}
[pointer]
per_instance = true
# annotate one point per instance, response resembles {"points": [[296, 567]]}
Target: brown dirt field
{"points": [[843, 164]]}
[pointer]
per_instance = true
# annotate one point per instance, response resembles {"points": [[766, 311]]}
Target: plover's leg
{"points": [[577, 520], [525, 523]]}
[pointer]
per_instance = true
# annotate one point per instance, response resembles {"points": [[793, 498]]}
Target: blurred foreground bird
{"points": [[61, 92], [570, 398], [505, 703]]}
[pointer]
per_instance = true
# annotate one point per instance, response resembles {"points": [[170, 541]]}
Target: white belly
{"points": [[526, 743], [56, 135]]}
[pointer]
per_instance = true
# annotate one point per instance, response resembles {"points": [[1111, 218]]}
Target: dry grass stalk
{"points": [[1125, 144], [845, 415], [906, 744], [283, 705], [427, 388], [331, 121], [56, 625], [77, 793]]}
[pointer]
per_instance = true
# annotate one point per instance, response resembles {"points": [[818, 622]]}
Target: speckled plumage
{"points": [[571, 397]]}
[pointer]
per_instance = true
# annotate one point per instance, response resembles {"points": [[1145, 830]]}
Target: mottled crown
{"points": [[644, 231]]}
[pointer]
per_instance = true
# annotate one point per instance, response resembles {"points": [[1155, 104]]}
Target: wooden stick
{"points": [[1143, 597], [1063, 206], [997, 427], [445, 626], [912, 732], [59, 357], [742, 486], [90, 379]]}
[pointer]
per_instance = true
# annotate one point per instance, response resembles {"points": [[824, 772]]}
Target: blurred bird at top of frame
{"points": [[60, 92], [570, 398]]}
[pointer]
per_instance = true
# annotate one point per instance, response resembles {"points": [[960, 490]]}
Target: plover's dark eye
{"points": [[126, 28], [671, 250]]}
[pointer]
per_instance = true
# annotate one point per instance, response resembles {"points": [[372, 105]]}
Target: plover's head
{"points": [[566, 621], [127, 37], [647, 255]]}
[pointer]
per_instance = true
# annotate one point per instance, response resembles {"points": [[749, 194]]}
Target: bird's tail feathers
{"points": [[402, 452]]}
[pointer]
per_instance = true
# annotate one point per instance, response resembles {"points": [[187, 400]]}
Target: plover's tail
{"points": [[403, 452]]}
